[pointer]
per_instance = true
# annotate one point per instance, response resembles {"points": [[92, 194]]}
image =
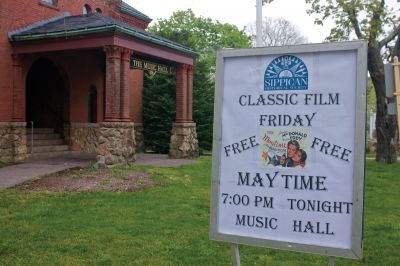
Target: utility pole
{"points": [[259, 23]]}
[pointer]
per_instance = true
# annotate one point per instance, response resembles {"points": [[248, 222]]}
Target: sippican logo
{"points": [[286, 72]]}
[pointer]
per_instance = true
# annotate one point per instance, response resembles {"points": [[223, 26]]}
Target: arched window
{"points": [[49, 2], [87, 9], [92, 105], [98, 10]]}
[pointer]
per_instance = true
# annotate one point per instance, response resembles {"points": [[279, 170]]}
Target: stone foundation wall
{"points": [[116, 144], [66, 134], [184, 143], [112, 142], [139, 137], [84, 137], [13, 142]]}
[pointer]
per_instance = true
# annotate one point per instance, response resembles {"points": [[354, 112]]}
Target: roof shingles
{"points": [[86, 24]]}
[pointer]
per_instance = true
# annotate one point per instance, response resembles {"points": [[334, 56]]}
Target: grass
{"points": [[167, 225]]}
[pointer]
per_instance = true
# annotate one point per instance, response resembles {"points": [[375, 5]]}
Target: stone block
{"points": [[117, 143], [184, 143], [13, 142]]}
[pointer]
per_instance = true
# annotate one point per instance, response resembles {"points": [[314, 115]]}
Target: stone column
{"points": [[18, 93], [184, 142], [12, 142], [125, 67], [139, 137], [13, 134], [116, 144], [113, 84], [115, 137]]}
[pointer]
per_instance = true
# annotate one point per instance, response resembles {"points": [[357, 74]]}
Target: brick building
{"points": [[65, 69]]}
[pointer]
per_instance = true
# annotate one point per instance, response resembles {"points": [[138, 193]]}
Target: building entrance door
{"points": [[45, 96]]}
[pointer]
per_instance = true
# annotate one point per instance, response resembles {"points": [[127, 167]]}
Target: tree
{"points": [[205, 37], [277, 32], [374, 22], [158, 112]]}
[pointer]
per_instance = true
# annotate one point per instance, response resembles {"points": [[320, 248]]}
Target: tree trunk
{"points": [[385, 124]]}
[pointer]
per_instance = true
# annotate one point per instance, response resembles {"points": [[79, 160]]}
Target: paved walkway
{"points": [[160, 160], [16, 174]]}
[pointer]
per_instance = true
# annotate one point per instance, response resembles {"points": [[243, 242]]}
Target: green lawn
{"points": [[167, 225]]}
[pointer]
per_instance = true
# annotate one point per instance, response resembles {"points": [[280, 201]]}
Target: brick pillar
{"points": [[125, 103], [136, 95], [189, 117], [184, 142], [181, 93], [18, 101], [113, 84]]}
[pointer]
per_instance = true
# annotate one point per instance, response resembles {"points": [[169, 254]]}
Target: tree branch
{"points": [[376, 18], [354, 21], [390, 37]]}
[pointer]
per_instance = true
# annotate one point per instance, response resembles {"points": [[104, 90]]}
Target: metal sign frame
{"points": [[356, 251]]}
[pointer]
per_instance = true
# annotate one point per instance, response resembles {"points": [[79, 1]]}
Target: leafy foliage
{"points": [[372, 21], [379, 25], [205, 37], [158, 111]]}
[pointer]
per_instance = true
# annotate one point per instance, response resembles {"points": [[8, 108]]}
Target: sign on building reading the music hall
{"points": [[151, 66], [288, 154]]}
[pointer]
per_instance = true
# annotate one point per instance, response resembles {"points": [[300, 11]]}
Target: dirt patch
{"points": [[80, 180]]}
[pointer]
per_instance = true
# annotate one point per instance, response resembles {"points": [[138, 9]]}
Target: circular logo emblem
{"points": [[286, 72]]}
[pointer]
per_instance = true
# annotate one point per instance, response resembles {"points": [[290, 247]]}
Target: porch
{"points": [[73, 75]]}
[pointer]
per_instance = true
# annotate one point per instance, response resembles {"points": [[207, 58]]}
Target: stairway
{"points": [[46, 143]]}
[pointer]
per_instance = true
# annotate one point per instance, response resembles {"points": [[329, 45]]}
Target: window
{"points": [[49, 3], [98, 10], [87, 9]]}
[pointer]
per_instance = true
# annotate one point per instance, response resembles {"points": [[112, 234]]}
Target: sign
{"points": [[153, 68], [396, 70], [390, 90], [289, 148]]}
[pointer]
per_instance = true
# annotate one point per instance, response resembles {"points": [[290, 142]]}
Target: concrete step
{"points": [[42, 155], [43, 136], [53, 148], [45, 142], [40, 130]]}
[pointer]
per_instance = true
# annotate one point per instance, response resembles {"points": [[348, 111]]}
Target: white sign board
{"points": [[289, 145]]}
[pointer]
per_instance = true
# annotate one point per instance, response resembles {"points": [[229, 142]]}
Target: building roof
{"points": [[67, 26], [134, 12]]}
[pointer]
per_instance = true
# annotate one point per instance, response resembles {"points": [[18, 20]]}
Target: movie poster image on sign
{"points": [[284, 148]]}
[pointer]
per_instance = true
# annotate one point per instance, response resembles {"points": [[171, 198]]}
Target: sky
{"points": [[237, 12], [241, 12]]}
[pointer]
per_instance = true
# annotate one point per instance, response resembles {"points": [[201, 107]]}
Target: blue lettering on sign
{"points": [[286, 72]]}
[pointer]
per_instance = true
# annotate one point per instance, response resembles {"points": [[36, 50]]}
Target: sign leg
{"points": [[235, 254], [331, 261]]}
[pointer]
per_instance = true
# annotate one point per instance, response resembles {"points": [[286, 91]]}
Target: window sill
{"points": [[48, 5]]}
